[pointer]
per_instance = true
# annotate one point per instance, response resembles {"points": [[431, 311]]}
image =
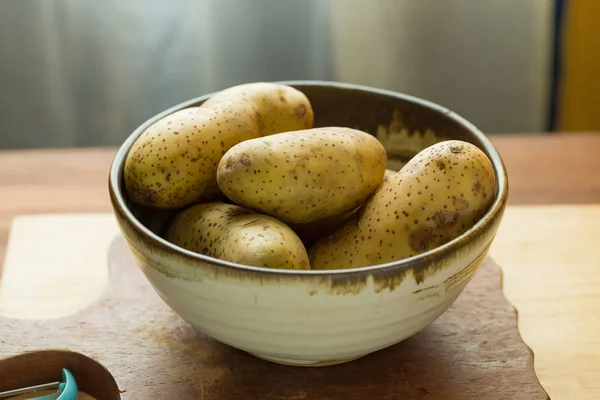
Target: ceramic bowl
{"points": [[319, 318]]}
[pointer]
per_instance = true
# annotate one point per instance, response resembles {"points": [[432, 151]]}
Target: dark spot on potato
{"points": [[420, 238], [456, 148], [441, 165], [149, 196], [300, 111], [477, 187], [460, 204], [445, 219], [245, 160]]}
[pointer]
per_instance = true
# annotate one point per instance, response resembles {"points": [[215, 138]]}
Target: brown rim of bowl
{"points": [[417, 261]]}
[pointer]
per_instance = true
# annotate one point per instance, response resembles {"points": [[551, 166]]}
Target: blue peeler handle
{"points": [[67, 389]]}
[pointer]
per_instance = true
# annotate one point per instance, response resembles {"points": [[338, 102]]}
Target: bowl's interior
{"points": [[404, 124]]}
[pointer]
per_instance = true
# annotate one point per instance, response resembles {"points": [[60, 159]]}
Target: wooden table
{"points": [[543, 169]]}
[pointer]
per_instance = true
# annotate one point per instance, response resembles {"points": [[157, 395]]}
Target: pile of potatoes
{"points": [[253, 182]]}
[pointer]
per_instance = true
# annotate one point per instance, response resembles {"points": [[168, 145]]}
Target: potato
{"points": [[311, 232], [281, 107], [232, 233], [303, 176], [438, 195], [174, 162]]}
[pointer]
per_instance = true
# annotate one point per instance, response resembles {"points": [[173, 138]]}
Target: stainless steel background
{"points": [[83, 72]]}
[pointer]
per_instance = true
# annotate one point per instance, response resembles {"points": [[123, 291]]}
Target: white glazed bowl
{"points": [[319, 317]]}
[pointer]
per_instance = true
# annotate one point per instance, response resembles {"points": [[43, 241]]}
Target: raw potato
{"points": [[304, 176], [313, 231], [174, 162], [438, 195], [281, 108], [232, 233]]}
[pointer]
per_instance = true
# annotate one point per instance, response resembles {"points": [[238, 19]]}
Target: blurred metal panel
{"points": [[79, 73]]}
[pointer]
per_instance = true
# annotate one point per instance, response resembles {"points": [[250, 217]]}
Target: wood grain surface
{"points": [[557, 169], [473, 351], [66, 273], [551, 266]]}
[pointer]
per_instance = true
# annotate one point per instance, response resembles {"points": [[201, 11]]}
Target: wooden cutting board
{"points": [[473, 351], [550, 260]]}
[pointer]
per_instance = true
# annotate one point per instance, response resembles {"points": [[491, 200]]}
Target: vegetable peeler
{"points": [[66, 390]]}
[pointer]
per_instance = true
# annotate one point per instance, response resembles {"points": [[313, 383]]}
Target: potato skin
{"points": [[304, 176], [438, 195], [281, 107], [174, 161], [311, 232], [232, 233]]}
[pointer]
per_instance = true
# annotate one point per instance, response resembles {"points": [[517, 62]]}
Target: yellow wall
{"points": [[579, 87]]}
